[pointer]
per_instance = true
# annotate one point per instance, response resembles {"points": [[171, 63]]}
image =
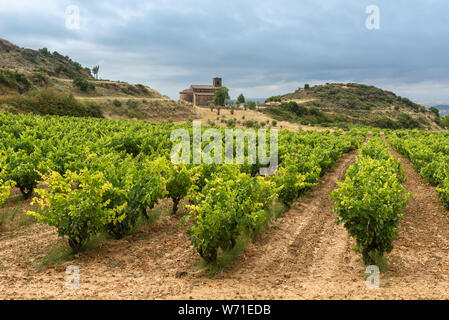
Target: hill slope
{"points": [[27, 73], [354, 103]]}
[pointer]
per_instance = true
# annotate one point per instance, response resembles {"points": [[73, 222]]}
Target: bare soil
{"points": [[205, 114], [302, 255]]}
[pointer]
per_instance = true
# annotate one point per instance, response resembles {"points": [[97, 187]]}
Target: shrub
{"points": [[45, 52], [15, 80], [250, 123], [179, 180], [40, 77], [274, 99], [251, 105], [24, 168], [296, 176], [231, 123], [435, 111], [5, 186], [74, 204], [117, 103], [370, 201], [443, 192], [407, 122], [133, 104], [231, 203], [142, 88], [49, 101], [136, 183], [135, 114], [83, 84]]}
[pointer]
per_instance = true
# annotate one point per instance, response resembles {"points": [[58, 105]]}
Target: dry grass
{"points": [[205, 115], [13, 214], [299, 101]]}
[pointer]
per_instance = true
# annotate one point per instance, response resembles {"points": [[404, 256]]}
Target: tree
{"points": [[241, 99], [44, 51], [221, 95], [83, 84], [95, 70], [306, 86], [435, 110]]}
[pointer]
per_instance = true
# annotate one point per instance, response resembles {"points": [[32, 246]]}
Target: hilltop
{"points": [[29, 78], [353, 103]]}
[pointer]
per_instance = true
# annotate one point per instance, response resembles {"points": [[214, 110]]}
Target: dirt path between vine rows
{"points": [[302, 255]]}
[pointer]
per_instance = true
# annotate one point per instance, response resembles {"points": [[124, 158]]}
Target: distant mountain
{"points": [[256, 100], [444, 109], [354, 103]]}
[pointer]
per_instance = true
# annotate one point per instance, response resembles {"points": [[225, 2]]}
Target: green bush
{"points": [[179, 180], [75, 204], [40, 78], [83, 84], [15, 80], [5, 186], [142, 88], [231, 203], [443, 192], [138, 184], [370, 201], [24, 168], [251, 105], [117, 103], [49, 101], [274, 99]]}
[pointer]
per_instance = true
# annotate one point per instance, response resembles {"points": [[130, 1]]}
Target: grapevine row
{"points": [[429, 155], [370, 201], [97, 175]]}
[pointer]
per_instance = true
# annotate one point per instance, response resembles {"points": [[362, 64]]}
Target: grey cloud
{"points": [[258, 46]]}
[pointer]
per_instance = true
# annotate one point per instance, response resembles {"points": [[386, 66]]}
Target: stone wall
{"points": [[187, 97], [203, 100]]}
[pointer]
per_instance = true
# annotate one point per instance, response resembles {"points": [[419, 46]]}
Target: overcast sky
{"points": [[260, 48]]}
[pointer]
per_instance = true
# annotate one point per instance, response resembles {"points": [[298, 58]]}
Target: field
{"points": [[104, 196]]}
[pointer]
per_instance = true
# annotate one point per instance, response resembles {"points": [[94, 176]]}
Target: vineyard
{"points": [[429, 154], [85, 177]]}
